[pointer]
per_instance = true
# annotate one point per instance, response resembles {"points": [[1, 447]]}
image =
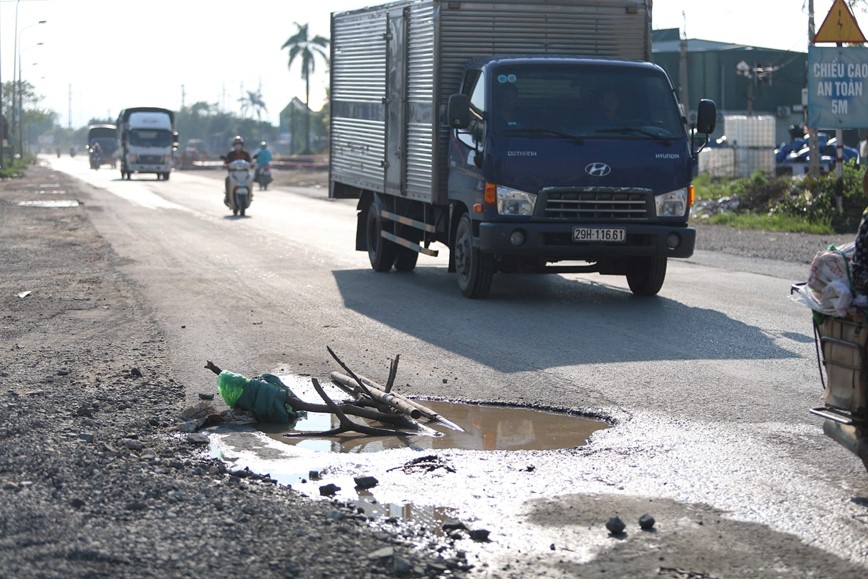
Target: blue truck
{"points": [[525, 136]]}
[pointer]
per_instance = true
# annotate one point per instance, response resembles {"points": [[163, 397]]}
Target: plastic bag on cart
{"points": [[828, 290]]}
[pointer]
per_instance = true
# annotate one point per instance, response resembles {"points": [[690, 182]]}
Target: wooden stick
{"points": [[395, 401], [424, 410]]}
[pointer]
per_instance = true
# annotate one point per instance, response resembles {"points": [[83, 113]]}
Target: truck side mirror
{"points": [[458, 111], [706, 117]]}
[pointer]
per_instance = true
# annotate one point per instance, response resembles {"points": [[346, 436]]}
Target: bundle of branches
{"points": [[270, 400]]}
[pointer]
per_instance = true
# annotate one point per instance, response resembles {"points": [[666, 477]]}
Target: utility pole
{"points": [[2, 121], [682, 69], [813, 144]]}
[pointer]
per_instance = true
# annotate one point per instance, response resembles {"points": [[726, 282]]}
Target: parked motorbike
{"points": [[842, 353], [263, 177], [240, 187]]}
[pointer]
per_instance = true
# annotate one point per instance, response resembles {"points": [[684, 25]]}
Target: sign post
{"points": [[837, 79]]}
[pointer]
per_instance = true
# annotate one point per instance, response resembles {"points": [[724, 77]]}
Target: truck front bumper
{"points": [[554, 241], [149, 168]]}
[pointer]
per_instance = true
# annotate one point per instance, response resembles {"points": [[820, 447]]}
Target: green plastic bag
{"points": [[264, 396]]}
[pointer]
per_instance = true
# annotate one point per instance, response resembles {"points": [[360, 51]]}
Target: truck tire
{"points": [[165, 176], [381, 252], [646, 274], [474, 269], [406, 258]]}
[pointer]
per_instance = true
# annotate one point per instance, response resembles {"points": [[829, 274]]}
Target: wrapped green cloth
{"points": [[264, 396]]}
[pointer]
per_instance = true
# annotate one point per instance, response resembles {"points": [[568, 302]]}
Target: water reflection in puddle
{"points": [[486, 427]]}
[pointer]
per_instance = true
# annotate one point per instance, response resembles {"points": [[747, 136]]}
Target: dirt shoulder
{"points": [[96, 478]]}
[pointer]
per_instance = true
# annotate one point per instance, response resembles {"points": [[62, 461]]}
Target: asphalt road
{"points": [[707, 385]]}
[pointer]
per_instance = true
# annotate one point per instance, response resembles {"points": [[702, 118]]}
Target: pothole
{"points": [[469, 426], [332, 466]]}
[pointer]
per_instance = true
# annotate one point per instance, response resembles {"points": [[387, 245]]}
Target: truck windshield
{"points": [[150, 138], [584, 101]]}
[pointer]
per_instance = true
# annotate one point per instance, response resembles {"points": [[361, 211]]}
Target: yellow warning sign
{"points": [[839, 26]]}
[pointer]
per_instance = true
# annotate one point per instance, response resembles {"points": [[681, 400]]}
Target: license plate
{"points": [[598, 234]]}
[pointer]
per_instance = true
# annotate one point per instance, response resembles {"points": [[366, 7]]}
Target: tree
{"points": [[253, 101], [306, 49]]}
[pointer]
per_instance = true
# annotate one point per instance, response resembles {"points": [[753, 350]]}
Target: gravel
{"points": [[96, 479]]}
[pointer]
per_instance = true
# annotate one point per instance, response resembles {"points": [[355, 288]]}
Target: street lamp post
{"points": [[21, 99], [15, 83]]}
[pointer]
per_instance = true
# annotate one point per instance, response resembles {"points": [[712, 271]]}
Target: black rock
{"points": [[329, 490], [480, 535], [366, 482], [616, 526], [453, 525], [646, 522]]}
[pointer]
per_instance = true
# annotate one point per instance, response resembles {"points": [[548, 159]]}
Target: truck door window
{"points": [[474, 87]]}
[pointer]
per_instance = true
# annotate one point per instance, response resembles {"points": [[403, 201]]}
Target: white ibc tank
{"points": [[753, 140]]}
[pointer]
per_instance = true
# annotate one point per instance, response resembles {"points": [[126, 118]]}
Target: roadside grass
{"points": [[818, 205], [766, 222], [15, 168]]}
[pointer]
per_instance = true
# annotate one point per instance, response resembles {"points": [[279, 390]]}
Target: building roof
{"points": [[669, 40]]}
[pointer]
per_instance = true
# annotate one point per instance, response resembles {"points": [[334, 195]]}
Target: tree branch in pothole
{"points": [[346, 425]]}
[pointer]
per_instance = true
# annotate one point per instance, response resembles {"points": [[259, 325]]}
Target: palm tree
{"points": [[306, 49], [253, 101]]}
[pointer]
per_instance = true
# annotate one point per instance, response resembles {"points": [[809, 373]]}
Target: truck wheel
{"points": [[406, 258], [475, 270], [381, 252], [165, 176], [645, 275]]}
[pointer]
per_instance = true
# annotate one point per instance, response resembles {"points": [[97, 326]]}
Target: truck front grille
{"points": [[150, 159], [605, 205]]}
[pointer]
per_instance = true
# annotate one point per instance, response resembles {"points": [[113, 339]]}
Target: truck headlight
{"points": [[672, 204], [134, 158], [514, 202]]}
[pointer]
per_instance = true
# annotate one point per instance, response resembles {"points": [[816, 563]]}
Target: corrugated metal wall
{"points": [[421, 116], [358, 87], [440, 41]]}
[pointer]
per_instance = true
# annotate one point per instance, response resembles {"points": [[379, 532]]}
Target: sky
{"points": [[92, 58]]}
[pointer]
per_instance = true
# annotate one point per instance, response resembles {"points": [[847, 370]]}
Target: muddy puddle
{"points": [[484, 427], [400, 463]]}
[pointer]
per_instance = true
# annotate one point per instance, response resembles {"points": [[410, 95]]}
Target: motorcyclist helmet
{"points": [[263, 145], [238, 141]]}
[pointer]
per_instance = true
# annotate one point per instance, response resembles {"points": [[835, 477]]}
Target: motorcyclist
{"points": [[235, 154], [95, 155], [263, 158]]}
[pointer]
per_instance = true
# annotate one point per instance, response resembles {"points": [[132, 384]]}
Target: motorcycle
{"points": [[842, 353], [95, 159], [239, 194], [263, 177]]}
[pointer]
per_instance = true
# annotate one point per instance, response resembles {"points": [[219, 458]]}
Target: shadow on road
{"points": [[549, 321]]}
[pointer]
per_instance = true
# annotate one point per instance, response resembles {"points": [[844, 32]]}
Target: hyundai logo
{"points": [[597, 169]]}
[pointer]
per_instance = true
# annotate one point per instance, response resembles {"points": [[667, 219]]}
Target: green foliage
{"points": [[791, 204], [15, 168]]}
